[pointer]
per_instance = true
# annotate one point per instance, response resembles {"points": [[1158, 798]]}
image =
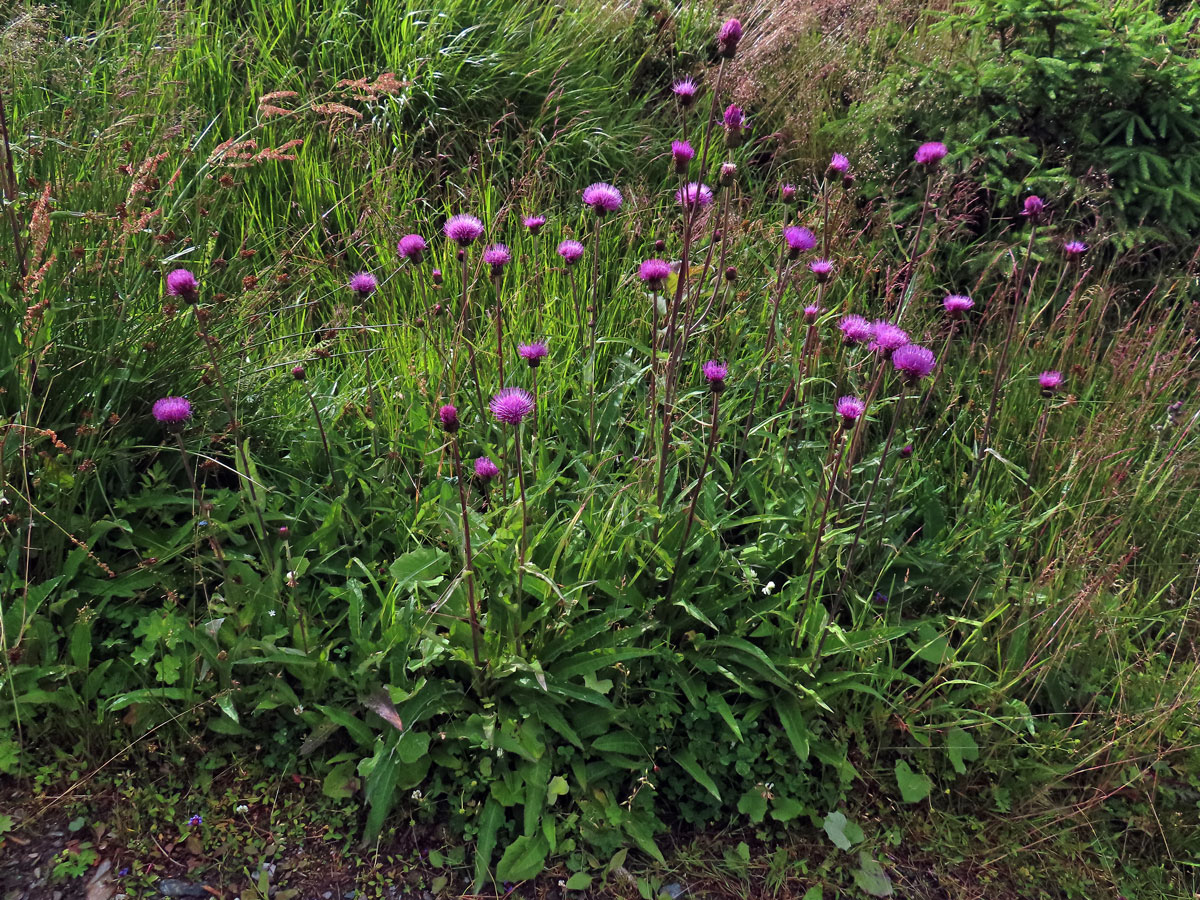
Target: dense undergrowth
{"points": [[688, 598]]}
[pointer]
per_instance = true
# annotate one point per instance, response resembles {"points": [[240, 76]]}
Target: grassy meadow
{"points": [[837, 536]]}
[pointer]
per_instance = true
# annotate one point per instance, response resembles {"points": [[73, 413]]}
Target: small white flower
{"points": [[271, 613], [241, 808], [767, 588], [417, 795], [298, 710]]}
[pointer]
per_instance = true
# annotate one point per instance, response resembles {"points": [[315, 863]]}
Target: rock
{"points": [[674, 890], [174, 887]]}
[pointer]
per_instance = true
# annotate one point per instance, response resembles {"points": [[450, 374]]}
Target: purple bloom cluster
{"points": [[497, 256], [886, 337], [682, 153], [685, 91], [798, 240], [729, 37], [811, 312], [913, 362], [449, 416], [855, 329], [534, 223], [957, 304], [1033, 208], [850, 409], [1075, 248], [930, 153], [715, 374], [511, 405], [412, 246], [694, 195], [1050, 381], [734, 121], [654, 272], [822, 269], [602, 198], [172, 410], [363, 284], [839, 163], [533, 353], [464, 229], [182, 283], [570, 251], [485, 469]]}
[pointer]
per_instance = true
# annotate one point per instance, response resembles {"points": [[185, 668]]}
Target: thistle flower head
{"points": [[957, 304], [497, 256], [913, 362], [729, 37], [412, 246], [534, 223], [886, 337], [298, 372], [449, 416], [855, 329], [1033, 208], [464, 229], [533, 353], [798, 240], [682, 153], [715, 374], [788, 193], [727, 174], [571, 251], [735, 116], [685, 91], [602, 198], [839, 163], [1075, 249], [182, 283], [511, 405], [172, 410], [1050, 381], [822, 269], [850, 408], [654, 272], [694, 195], [363, 284], [811, 312], [906, 451], [485, 469], [930, 153]]}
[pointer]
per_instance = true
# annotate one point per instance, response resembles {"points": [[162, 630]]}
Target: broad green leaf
{"points": [[871, 877], [959, 746], [842, 831], [753, 804], [914, 786], [687, 759], [524, 859], [485, 840]]}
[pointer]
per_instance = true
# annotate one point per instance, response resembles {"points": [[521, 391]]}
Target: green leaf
{"points": [[225, 702], [959, 746], [485, 840], [556, 788], [413, 745], [793, 725], [784, 809], [871, 877], [417, 567], [687, 759], [340, 782], [619, 742], [579, 881], [914, 786], [753, 804], [524, 859], [842, 831]]}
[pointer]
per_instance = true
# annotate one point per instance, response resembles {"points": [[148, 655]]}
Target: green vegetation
{"points": [[678, 611]]}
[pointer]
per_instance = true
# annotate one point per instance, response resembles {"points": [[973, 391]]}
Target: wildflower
{"points": [[195, 821], [715, 374], [436, 277], [497, 256], [839, 163], [735, 124], [768, 588], [241, 808], [850, 408], [172, 411], [283, 531], [1050, 381], [694, 195], [533, 353], [485, 469], [811, 312], [886, 337], [1074, 248], [788, 193], [182, 283], [683, 154], [1033, 208], [511, 405], [449, 416], [727, 174], [685, 91], [534, 223], [731, 273], [412, 246], [957, 304], [906, 451], [464, 229], [729, 37], [570, 251], [363, 284], [798, 239], [855, 329], [654, 272], [913, 362], [930, 153], [822, 269], [602, 198], [298, 372]]}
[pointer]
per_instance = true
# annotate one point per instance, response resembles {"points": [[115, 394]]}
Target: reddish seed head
{"points": [[449, 416], [511, 405], [731, 273], [913, 362], [172, 410], [654, 272], [298, 372], [850, 409], [464, 229], [570, 251], [363, 284], [602, 198], [485, 469], [906, 451], [412, 246], [436, 276], [182, 283], [930, 153]]}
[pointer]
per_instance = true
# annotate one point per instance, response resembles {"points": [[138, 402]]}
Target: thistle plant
{"points": [[448, 415], [602, 199]]}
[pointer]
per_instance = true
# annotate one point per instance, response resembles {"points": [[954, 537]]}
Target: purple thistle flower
{"points": [[906, 451], [727, 174], [298, 372], [715, 374], [855, 329], [839, 163], [363, 284], [822, 269], [685, 91], [654, 272], [683, 154], [930, 153], [511, 405], [449, 416], [485, 469], [533, 353], [729, 37], [497, 256], [412, 246], [1033, 208], [1050, 381], [1075, 248], [182, 283], [886, 337], [534, 223], [464, 229], [694, 195], [735, 123], [788, 193], [798, 239], [811, 312], [957, 304], [913, 362], [172, 410], [571, 251], [850, 408], [602, 198]]}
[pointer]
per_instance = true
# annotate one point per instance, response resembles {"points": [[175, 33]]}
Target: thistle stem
{"points": [[469, 560]]}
